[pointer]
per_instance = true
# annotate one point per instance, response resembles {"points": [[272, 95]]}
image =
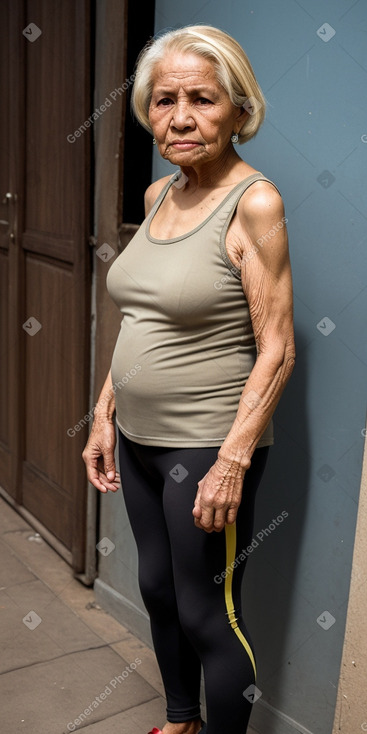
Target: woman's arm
{"points": [[267, 284], [105, 406], [99, 452]]}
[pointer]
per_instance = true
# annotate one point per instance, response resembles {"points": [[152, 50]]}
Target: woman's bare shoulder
{"points": [[153, 192], [261, 198]]}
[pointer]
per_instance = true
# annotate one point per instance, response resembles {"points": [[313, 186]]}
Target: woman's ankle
{"points": [[187, 727]]}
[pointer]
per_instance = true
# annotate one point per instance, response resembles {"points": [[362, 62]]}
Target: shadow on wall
{"points": [[270, 593]]}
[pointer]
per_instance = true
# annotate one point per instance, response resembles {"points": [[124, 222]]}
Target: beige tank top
{"points": [[186, 345]]}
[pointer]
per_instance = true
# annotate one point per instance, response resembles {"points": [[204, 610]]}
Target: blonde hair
{"points": [[233, 71]]}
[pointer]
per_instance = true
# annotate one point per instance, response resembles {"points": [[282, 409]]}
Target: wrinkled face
{"points": [[190, 113]]}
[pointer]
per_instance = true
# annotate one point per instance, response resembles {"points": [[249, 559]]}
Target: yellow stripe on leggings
{"points": [[230, 557]]}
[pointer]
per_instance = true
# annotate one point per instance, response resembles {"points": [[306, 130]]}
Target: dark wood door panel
{"points": [[54, 110], [49, 245], [55, 245], [6, 215], [52, 372], [45, 268], [4, 129], [4, 370], [49, 504]]}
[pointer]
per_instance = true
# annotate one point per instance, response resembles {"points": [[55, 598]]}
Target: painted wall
{"points": [[310, 60]]}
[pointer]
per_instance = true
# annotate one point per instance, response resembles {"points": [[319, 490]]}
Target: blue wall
{"points": [[316, 122]]}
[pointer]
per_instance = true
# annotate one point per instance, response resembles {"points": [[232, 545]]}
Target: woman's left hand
{"points": [[219, 495]]}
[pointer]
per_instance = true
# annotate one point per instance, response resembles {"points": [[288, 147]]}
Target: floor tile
{"points": [[46, 698]]}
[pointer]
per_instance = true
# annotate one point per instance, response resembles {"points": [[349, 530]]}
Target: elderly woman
{"points": [[205, 350]]}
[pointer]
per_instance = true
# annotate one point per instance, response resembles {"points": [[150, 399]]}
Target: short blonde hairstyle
{"points": [[233, 71]]}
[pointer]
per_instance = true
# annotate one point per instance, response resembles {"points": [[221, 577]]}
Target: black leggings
{"points": [[191, 594]]}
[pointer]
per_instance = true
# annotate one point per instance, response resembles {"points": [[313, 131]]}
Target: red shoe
{"points": [[159, 731]]}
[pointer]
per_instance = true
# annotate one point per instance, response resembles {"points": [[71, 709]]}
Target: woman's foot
{"points": [[189, 727]]}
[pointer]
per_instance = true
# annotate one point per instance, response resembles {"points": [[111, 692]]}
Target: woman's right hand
{"points": [[99, 456]]}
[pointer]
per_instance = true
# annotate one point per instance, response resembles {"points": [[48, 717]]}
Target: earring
{"points": [[154, 141], [234, 138]]}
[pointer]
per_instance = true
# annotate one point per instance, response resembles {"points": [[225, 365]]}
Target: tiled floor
{"points": [[66, 664]]}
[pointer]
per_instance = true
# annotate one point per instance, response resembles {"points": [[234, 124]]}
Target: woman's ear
{"points": [[241, 117]]}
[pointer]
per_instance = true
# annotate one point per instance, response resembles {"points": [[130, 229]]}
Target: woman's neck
{"points": [[213, 174]]}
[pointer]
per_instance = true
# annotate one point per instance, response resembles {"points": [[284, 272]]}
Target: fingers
{"points": [[99, 457], [109, 464], [109, 478], [218, 497], [197, 508], [108, 485], [217, 521], [97, 474], [207, 518], [93, 478], [99, 480], [214, 520], [213, 511], [231, 515]]}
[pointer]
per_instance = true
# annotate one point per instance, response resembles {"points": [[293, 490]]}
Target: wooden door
{"points": [[45, 264]]}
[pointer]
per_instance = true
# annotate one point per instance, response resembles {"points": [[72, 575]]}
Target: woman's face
{"points": [[190, 113]]}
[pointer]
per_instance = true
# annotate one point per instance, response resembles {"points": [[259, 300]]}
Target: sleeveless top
{"points": [[186, 345]]}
